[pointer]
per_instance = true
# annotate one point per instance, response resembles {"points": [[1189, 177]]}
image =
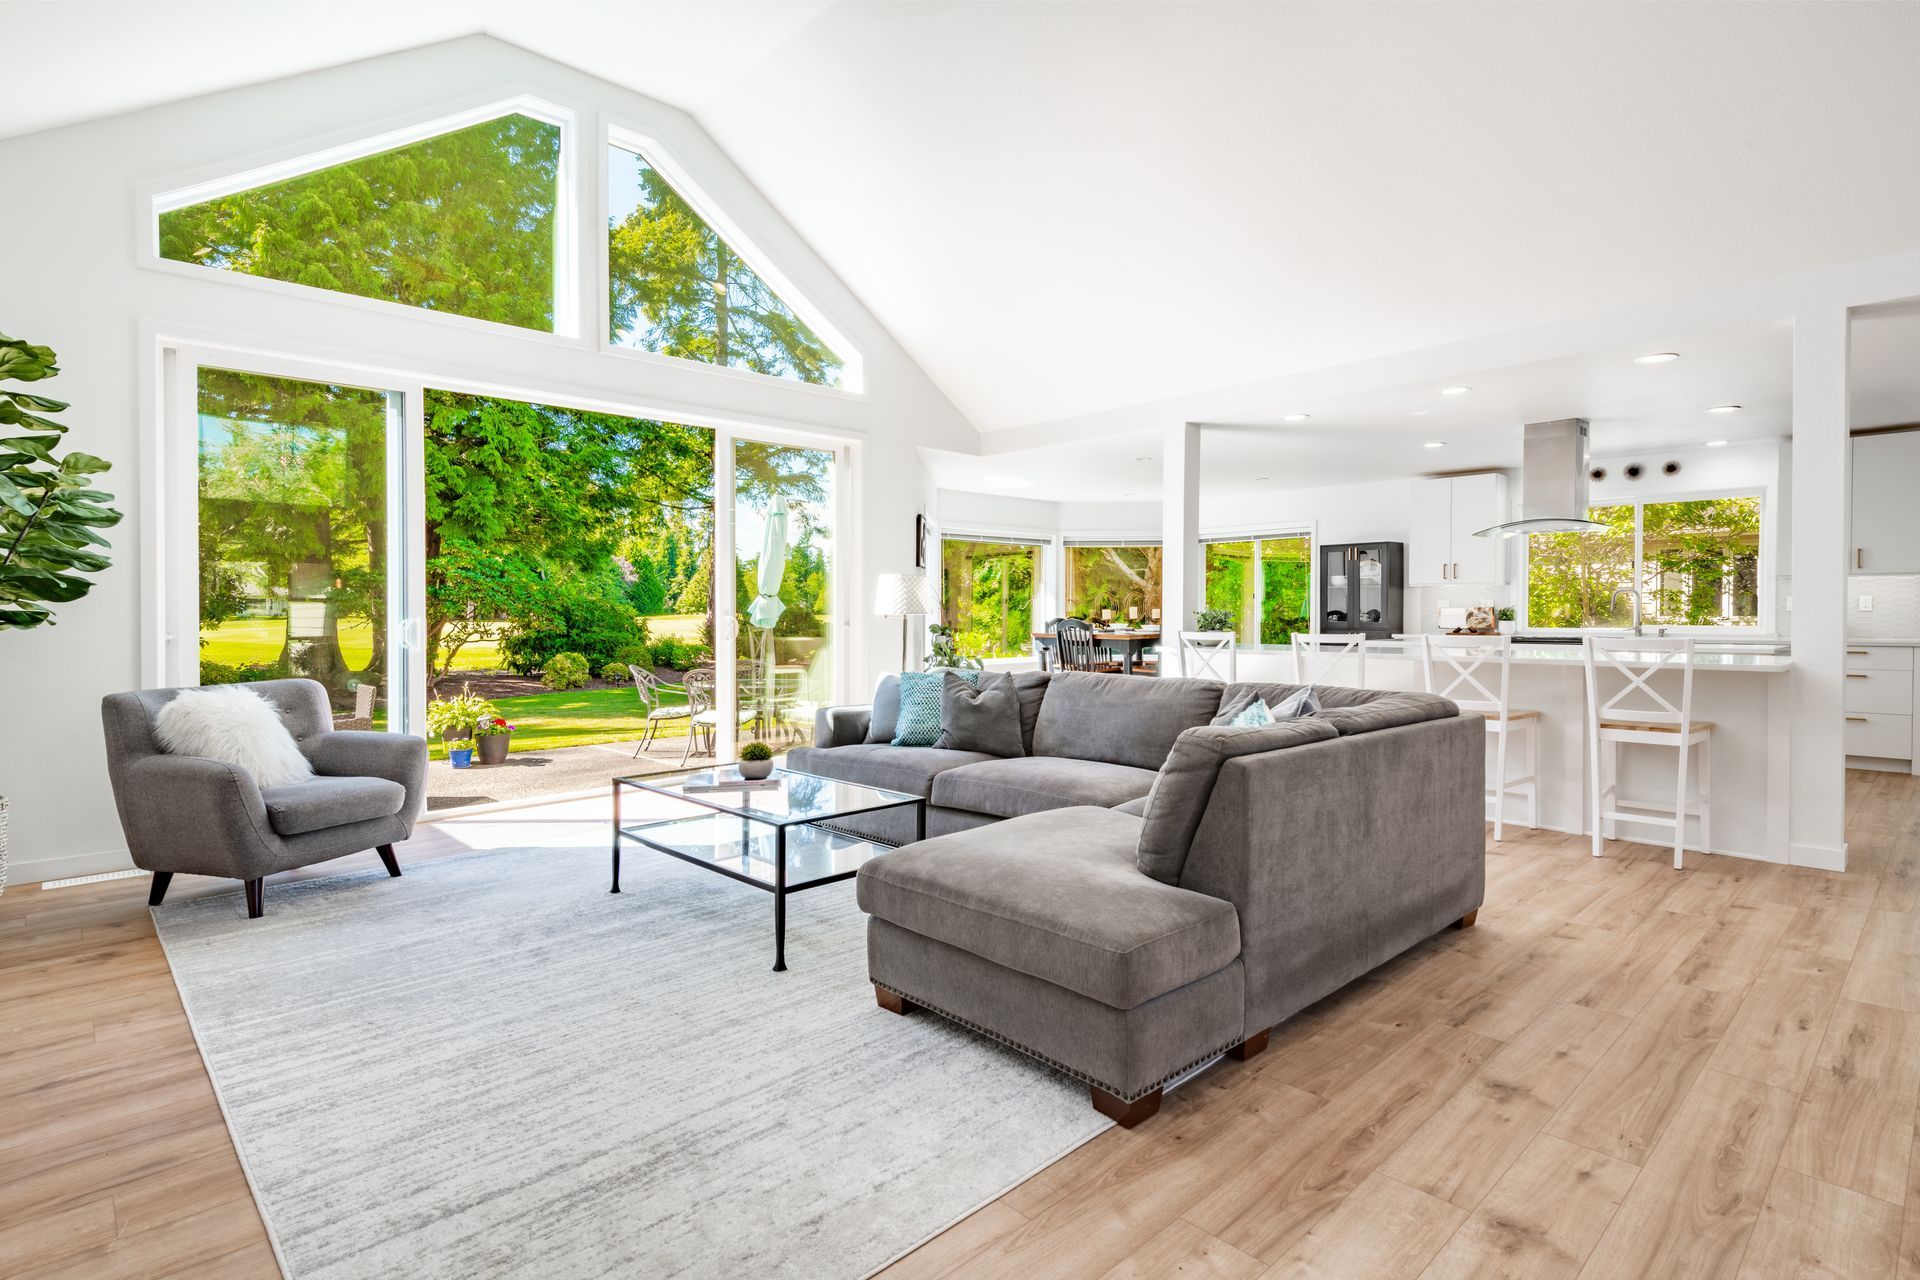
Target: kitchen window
{"points": [[1266, 583], [1695, 562]]}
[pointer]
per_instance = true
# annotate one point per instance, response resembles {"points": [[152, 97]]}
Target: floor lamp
{"points": [[903, 596]]}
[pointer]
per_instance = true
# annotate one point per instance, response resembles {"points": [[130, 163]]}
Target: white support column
{"points": [[726, 622], [1180, 564], [1821, 483]]}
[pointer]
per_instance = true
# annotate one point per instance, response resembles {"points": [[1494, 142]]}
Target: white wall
{"points": [[73, 283]]}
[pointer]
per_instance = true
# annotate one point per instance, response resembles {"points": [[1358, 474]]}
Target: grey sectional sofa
{"points": [[1145, 890]]}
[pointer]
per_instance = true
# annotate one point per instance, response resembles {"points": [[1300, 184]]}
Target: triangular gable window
{"points": [[678, 289], [462, 222]]}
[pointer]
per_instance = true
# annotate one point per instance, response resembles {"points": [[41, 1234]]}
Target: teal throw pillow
{"points": [[1256, 714], [919, 723]]}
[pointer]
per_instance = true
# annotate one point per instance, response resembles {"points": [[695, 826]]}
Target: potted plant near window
{"points": [[50, 515], [1506, 620], [756, 761], [491, 737], [451, 719], [461, 753], [1217, 621]]}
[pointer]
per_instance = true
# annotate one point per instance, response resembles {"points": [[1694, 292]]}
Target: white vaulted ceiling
{"points": [[1060, 209]]}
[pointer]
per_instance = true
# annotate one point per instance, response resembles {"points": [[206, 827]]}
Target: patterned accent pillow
{"points": [[1255, 715], [919, 723]]}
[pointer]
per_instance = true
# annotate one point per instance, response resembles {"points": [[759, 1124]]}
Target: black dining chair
{"points": [[1074, 648]]}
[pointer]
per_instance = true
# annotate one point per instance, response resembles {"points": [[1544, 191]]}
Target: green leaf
{"points": [[27, 400], [27, 616], [24, 362], [11, 496], [43, 584], [80, 464], [14, 414]]}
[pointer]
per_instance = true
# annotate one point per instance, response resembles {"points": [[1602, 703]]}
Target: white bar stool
{"points": [[1455, 662], [1208, 654], [1309, 647], [1655, 722]]}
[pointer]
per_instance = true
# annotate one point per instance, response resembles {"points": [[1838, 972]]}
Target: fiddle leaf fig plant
{"points": [[50, 514]]}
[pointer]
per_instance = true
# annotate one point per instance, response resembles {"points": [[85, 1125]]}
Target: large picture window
{"points": [[1122, 577], [986, 595], [1266, 583], [461, 223], [678, 289], [1695, 562]]}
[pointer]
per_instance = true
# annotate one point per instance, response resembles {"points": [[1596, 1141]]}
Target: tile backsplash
{"points": [[1423, 602], [1896, 606]]}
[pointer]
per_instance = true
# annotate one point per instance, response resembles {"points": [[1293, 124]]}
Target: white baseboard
{"points": [[33, 871], [1818, 856]]}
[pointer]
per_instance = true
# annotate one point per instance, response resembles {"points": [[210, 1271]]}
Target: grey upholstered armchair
{"points": [[207, 818]]}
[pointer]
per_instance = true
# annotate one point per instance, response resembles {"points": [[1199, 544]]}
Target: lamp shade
{"points": [[900, 595]]}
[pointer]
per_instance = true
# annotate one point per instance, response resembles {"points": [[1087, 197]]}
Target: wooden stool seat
{"points": [[1642, 726], [1512, 714]]}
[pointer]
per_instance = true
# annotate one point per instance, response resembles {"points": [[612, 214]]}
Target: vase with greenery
{"points": [[756, 760], [1505, 618], [50, 513], [1213, 620], [460, 753], [944, 651]]}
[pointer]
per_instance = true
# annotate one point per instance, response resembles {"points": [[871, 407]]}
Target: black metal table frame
{"points": [[779, 888]]}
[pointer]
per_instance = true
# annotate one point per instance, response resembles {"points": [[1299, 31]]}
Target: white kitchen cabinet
{"points": [[1886, 518], [1443, 516], [1881, 708]]}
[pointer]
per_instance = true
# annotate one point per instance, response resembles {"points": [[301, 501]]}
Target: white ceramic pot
{"points": [[754, 770]]}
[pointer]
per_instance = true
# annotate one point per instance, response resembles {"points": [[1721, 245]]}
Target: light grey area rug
{"points": [[494, 1067]]}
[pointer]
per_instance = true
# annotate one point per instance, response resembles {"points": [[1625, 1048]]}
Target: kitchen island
{"points": [[1741, 692]]}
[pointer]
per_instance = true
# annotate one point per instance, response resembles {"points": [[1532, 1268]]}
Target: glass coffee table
{"points": [[769, 838]]}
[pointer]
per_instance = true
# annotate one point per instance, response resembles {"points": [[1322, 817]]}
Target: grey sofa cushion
{"points": [[1030, 687], [1031, 784], [1388, 712], [1137, 807], [1185, 784], [879, 764], [1056, 896], [322, 802], [1120, 719], [884, 720], [980, 717]]}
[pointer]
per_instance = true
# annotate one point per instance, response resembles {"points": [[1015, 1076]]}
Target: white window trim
{"points": [[688, 187], [1766, 626], [1044, 605], [1275, 533], [151, 199]]}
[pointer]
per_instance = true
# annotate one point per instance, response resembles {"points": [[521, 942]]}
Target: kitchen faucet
{"points": [[1634, 595]]}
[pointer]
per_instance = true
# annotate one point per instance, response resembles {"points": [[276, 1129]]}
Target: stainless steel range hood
{"points": [[1553, 482]]}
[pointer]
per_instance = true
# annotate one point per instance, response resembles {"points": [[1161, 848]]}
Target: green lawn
{"points": [[579, 718], [246, 640]]}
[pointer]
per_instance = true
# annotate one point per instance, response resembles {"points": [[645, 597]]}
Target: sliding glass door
{"points": [[783, 552], [288, 496]]}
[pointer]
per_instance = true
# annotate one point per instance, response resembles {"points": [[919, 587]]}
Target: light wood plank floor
{"points": [[1622, 1071]]}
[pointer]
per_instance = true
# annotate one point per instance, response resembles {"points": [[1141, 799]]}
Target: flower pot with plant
{"points": [[756, 760], [460, 753], [1506, 620], [50, 515], [451, 719], [492, 737], [1215, 620]]}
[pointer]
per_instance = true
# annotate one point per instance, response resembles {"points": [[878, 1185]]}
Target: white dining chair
{"points": [[1317, 657], [1209, 655], [1475, 672], [1638, 714]]}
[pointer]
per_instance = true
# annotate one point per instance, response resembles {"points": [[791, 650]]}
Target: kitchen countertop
{"points": [[1561, 655]]}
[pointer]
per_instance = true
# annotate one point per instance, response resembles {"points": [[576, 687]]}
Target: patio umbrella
{"points": [[766, 608]]}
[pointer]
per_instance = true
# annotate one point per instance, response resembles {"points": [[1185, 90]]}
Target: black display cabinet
{"points": [[1362, 589]]}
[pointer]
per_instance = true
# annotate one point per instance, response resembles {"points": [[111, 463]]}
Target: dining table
{"points": [[1128, 643]]}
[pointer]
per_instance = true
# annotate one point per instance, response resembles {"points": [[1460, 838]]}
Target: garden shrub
{"points": [[572, 612], [565, 671]]}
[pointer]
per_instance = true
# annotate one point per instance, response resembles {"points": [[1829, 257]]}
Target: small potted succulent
{"points": [[756, 761], [461, 753], [492, 736], [1506, 620]]}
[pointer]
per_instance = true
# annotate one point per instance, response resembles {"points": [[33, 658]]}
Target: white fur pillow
{"points": [[235, 725]]}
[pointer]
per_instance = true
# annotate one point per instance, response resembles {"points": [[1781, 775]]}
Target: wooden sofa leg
{"points": [[256, 899], [892, 1002], [393, 863], [1251, 1045], [158, 893], [1126, 1114], [1466, 921]]}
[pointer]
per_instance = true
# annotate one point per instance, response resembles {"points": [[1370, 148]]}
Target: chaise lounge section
{"points": [[1257, 870]]}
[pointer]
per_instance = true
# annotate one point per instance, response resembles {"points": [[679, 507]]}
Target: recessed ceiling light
{"points": [[1295, 417], [1421, 413], [1716, 444], [1656, 357], [1010, 482], [1724, 408], [1435, 444], [1260, 479], [1454, 391], [1145, 457]]}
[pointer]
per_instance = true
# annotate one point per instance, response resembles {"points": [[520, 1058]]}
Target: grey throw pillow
{"points": [[1302, 700], [1184, 785], [885, 717], [984, 718]]}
